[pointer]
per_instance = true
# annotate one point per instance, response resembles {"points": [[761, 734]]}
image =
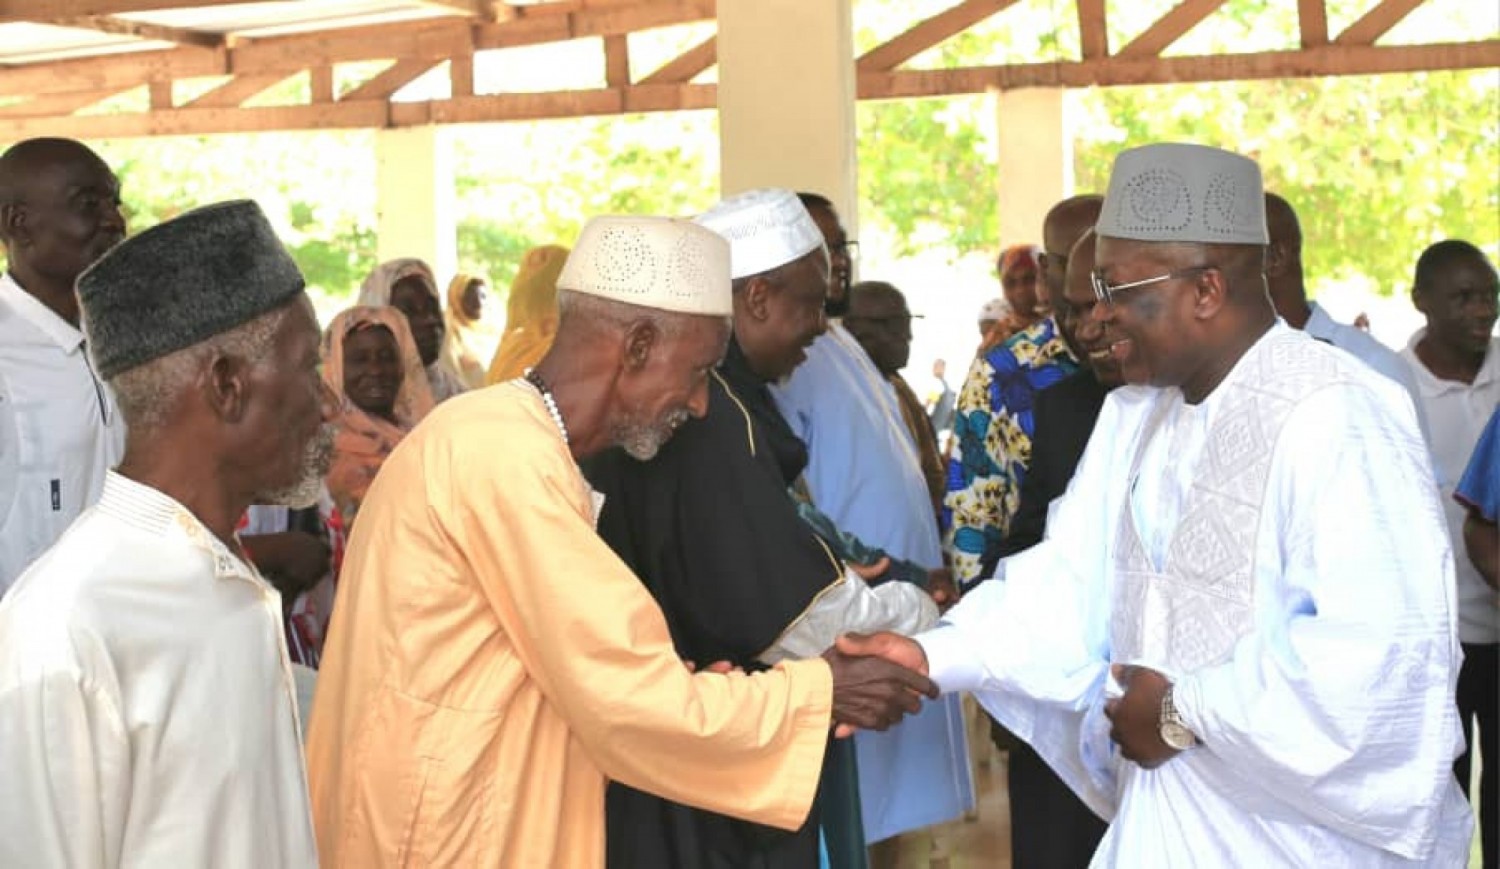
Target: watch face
{"points": [[1177, 736]]}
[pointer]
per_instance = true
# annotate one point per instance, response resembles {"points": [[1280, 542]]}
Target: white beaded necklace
{"points": [[541, 386]]}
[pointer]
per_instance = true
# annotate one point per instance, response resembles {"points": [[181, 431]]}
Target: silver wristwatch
{"points": [[1173, 731]]}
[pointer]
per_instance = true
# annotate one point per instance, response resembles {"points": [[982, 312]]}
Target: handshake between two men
{"points": [[877, 680]]}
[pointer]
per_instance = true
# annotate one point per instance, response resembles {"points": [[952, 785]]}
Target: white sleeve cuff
{"points": [[950, 663]]}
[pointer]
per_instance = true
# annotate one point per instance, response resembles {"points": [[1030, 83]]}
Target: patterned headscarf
{"points": [[364, 439]]}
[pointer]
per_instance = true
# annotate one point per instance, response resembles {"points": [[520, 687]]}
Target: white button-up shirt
{"points": [[147, 706], [59, 429], [1457, 413]]}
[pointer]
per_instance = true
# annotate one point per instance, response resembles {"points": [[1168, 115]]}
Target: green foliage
{"points": [[1377, 168], [927, 171]]}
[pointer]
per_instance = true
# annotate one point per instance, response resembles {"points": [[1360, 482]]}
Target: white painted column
{"points": [[416, 201], [786, 99], [1036, 160]]}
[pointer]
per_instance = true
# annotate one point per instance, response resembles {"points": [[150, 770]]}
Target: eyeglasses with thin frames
{"points": [[1105, 292], [849, 248]]}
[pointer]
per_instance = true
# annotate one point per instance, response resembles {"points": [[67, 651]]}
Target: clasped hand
{"points": [[877, 679], [1135, 716]]}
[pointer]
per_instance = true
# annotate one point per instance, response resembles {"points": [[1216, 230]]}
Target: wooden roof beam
{"points": [[1093, 32], [685, 66], [617, 61], [52, 105], [236, 91], [1312, 22], [1328, 60], [1377, 22], [140, 30], [47, 10], [437, 39], [395, 77], [1172, 27], [928, 33]]}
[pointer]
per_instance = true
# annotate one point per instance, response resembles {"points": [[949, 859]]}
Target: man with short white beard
{"points": [[491, 662], [147, 708]]}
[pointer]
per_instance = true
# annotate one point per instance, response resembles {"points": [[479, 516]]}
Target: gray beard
{"points": [[643, 440], [317, 456]]}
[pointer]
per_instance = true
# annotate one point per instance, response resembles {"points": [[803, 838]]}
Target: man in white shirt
{"points": [[59, 430], [1236, 640], [1289, 295], [147, 706], [1456, 360]]}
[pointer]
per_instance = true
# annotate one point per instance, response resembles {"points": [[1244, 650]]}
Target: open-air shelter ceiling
{"points": [[199, 67]]}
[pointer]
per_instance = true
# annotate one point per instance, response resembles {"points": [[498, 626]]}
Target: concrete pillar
{"points": [[786, 99], [416, 201], [1036, 160]]}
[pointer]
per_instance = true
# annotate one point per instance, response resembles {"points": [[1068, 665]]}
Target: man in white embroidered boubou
{"points": [[1237, 639], [147, 706]]}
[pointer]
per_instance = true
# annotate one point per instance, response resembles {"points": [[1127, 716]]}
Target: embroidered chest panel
{"points": [[1191, 612]]}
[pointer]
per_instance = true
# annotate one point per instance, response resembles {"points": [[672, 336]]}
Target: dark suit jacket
{"points": [[1064, 418]]}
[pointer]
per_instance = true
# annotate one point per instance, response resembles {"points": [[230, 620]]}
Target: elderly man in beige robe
{"points": [[491, 661]]}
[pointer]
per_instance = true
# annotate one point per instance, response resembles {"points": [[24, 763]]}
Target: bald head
{"points": [[1064, 225], [24, 163], [59, 212], [1284, 262]]}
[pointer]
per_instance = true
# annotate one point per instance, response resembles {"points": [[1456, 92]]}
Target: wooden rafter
{"points": [[1170, 28], [685, 66], [437, 39], [385, 83], [141, 30], [617, 61], [46, 10], [1377, 22], [320, 84], [237, 90], [461, 76], [60, 89], [1093, 32], [1312, 22], [55, 104], [1114, 71], [929, 33]]}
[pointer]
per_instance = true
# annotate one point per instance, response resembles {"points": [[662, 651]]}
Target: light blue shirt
{"points": [[863, 470], [1362, 346], [863, 473]]}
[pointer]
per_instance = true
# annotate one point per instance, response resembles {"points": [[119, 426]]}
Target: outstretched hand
{"points": [[877, 677], [1136, 716]]}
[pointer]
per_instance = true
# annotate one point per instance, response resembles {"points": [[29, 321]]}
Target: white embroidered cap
{"points": [[765, 228], [654, 262], [994, 309], [1179, 192]]}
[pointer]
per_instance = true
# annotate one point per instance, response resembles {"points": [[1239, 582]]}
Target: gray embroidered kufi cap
{"points": [[183, 281], [1185, 193]]}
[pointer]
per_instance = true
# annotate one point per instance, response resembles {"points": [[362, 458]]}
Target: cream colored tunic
{"points": [[491, 661]]}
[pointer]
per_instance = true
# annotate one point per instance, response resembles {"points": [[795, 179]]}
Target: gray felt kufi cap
{"points": [[183, 281], [1179, 192]]}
